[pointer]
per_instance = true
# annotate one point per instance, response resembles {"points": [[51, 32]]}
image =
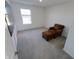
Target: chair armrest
{"points": [[51, 28]]}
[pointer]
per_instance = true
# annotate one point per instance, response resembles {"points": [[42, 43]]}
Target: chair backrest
{"points": [[59, 26]]}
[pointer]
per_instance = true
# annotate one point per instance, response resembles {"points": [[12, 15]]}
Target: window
{"points": [[26, 16], [7, 18]]}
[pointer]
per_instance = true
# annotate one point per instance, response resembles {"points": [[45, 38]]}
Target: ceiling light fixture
{"points": [[41, 0]]}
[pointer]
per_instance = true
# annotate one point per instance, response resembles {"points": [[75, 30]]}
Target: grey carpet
{"points": [[31, 45], [58, 42]]}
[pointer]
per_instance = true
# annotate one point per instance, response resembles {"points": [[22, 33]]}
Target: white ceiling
{"points": [[43, 3]]}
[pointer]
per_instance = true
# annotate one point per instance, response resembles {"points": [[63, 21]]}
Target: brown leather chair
{"points": [[53, 32]]}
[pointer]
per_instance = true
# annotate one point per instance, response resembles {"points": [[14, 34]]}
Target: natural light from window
{"points": [[26, 16], [7, 18]]}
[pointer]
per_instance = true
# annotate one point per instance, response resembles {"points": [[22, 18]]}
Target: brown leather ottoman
{"points": [[48, 35], [53, 32]]}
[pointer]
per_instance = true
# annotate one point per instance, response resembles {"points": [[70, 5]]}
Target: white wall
{"points": [[9, 47], [37, 16], [63, 14], [14, 38], [69, 45]]}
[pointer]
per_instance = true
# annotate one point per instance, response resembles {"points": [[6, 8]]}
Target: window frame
{"points": [[30, 21]]}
